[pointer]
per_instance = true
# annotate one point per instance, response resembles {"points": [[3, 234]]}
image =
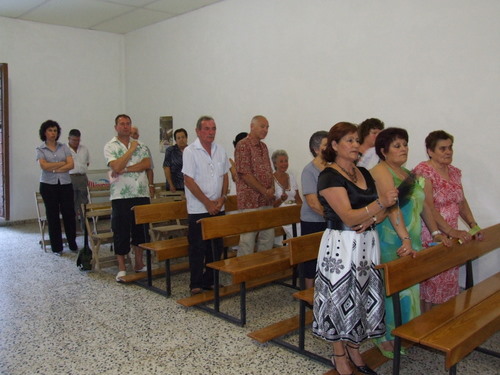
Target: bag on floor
{"points": [[84, 259]]}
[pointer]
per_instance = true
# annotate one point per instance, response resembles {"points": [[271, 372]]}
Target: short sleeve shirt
{"points": [[81, 158], [252, 157], [358, 197], [309, 181], [206, 170], [60, 154], [173, 160], [131, 184]]}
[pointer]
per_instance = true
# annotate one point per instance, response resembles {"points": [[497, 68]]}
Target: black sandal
{"points": [[335, 366], [364, 369]]}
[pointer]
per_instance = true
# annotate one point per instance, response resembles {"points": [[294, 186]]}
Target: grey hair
{"points": [[276, 154], [315, 141]]}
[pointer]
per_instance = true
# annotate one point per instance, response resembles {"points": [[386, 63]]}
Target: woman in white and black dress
{"points": [[349, 292]]}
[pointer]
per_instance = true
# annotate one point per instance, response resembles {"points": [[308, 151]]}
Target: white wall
{"points": [[73, 76], [422, 65]]}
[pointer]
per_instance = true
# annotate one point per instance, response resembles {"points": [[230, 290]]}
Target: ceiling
{"points": [[115, 16]]}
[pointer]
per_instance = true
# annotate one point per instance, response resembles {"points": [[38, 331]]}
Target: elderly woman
{"points": [[444, 189], [368, 131], [400, 232], [172, 164], [311, 212], [349, 293], [55, 186], [285, 186]]}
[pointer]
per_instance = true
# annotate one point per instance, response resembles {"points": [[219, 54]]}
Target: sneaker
{"points": [[143, 269], [119, 276], [57, 253]]}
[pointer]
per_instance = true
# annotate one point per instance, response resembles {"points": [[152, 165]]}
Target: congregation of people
{"points": [[357, 190]]}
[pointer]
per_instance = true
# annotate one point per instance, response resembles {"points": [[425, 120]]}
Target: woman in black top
{"points": [[349, 292]]}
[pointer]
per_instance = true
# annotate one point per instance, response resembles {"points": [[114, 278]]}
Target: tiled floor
{"points": [[55, 319]]}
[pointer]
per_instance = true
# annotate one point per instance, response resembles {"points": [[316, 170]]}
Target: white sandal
{"points": [[119, 276]]}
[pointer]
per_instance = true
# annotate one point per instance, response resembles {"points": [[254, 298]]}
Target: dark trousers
{"points": [[124, 227], [58, 199], [200, 253]]}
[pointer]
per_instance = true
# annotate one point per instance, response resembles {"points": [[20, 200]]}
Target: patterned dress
{"points": [[349, 293], [411, 208], [447, 198]]}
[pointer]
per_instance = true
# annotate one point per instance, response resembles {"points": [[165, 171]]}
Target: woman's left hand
{"points": [[406, 250], [445, 240], [360, 228]]}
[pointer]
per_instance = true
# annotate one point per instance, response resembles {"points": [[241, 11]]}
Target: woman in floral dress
{"points": [[444, 187]]}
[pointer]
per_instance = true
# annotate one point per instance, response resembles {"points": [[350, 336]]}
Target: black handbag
{"points": [[84, 259]]}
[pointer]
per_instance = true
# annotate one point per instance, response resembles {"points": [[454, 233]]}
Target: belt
{"points": [[77, 174], [338, 225], [289, 202]]}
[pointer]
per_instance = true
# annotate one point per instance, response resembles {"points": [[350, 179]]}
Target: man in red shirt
{"points": [[255, 185]]}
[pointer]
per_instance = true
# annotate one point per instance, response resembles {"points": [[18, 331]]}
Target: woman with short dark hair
{"points": [[399, 233], [172, 163], [349, 291], [56, 189]]}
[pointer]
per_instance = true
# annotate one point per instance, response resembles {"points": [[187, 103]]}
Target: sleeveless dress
{"points": [[447, 197], [411, 207], [349, 292]]}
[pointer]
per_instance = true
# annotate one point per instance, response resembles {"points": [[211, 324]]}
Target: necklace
{"points": [[353, 176]]}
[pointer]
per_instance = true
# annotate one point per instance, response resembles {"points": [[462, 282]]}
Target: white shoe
{"points": [[119, 276], [143, 269]]}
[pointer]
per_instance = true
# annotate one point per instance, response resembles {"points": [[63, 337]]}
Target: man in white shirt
{"points": [[205, 168], [78, 174]]}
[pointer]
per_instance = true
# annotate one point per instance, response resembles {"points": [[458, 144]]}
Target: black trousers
{"points": [[58, 199], [200, 253]]}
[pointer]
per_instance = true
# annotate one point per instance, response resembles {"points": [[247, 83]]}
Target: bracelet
{"points": [[435, 233], [379, 204], [151, 185], [406, 238], [367, 210]]}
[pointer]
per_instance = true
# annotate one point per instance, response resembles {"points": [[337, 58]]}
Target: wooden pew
{"points": [[461, 324], [259, 268], [166, 250]]}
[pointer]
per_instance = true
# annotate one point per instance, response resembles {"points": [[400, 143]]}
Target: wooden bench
{"points": [[268, 265], [461, 324], [166, 250]]}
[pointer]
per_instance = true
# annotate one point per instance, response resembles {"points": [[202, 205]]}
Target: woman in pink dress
{"points": [[444, 186]]}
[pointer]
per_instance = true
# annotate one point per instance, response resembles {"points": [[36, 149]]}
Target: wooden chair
{"points": [[94, 211], [42, 220]]}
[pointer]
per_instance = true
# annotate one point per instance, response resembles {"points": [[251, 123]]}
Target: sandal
{"points": [[364, 369], [335, 366], [119, 276], [195, 291]]}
